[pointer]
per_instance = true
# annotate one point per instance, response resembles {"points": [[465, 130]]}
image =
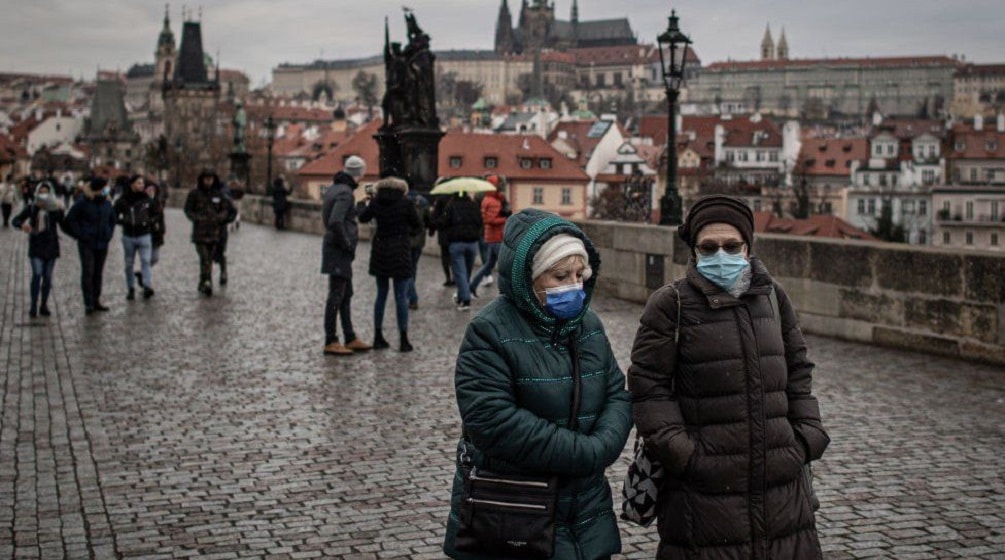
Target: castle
{"points": [[537, 30]]}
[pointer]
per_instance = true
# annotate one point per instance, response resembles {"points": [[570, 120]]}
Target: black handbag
{"points": [[507, 514]]}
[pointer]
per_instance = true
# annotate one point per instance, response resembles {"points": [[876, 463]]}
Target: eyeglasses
{"points": [[709, 248]]}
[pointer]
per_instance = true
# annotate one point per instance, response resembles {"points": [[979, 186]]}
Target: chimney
{"points": [[978, 122], [1001, 122]]}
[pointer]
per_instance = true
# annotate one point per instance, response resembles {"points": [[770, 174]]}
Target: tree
{"points": [[365, 86], [885, 228], [467, 93]]}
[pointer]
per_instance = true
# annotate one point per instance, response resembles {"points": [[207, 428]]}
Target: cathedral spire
{"points": [[575, 11], [504, 30], [782, 52], [767, 45]]}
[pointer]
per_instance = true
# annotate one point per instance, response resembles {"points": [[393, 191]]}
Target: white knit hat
{"points": [[557, 248], [355, 166]]}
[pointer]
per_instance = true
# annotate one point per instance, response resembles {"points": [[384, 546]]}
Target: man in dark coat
{"points": [[91, 221], [461, 222], [209, 209], [721, 387], [280, 201], [338, 250]]}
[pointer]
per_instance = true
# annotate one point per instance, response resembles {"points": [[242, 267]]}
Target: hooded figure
{"points": [[209, 209], [513, 382], [39, 220]]}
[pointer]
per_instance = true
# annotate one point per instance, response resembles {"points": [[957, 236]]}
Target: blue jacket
{"points": [[91, 221]]}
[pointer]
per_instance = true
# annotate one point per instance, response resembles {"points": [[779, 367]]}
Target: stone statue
{"points": [[240, 122], [410, 97]]}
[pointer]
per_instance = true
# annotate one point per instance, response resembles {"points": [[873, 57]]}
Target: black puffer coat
{"points": [[41, 244], [209, 209], [728, 411], [397, 220]]}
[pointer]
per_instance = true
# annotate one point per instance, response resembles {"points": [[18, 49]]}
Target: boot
{"points": [[43, 310], [405, 345], [223, 272], [131, 295], [378, 341], [33, 311]]}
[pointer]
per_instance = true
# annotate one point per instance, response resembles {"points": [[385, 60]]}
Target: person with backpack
{"points": [[39, 220], [722, 393], [134, 211]]}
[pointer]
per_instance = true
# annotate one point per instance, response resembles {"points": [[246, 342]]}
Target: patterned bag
{"points": [[642, 486]]}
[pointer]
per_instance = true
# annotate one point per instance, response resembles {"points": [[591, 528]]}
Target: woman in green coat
{"points": [[514, 384]]}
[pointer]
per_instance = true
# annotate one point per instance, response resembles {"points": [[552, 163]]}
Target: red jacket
{"points": [[494, 223]]}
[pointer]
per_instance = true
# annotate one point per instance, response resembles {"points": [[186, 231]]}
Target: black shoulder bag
{"points": [[512, 515]]}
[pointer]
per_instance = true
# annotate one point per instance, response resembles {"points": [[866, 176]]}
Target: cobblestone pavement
{"points": [[214, 428]]}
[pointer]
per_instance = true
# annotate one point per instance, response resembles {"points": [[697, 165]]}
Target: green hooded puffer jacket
{"points": [[513, 381]]}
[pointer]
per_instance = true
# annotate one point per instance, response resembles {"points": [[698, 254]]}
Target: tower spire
{"points": [[575, 11], [767, 45]]}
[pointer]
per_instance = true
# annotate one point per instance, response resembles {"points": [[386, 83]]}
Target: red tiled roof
{"points": [[472, 148], [621, 54], [912, 128], [577, 136], [878, 62], [981, 70], [975, 144], [817, 225], [831, 156], [289, 113]]}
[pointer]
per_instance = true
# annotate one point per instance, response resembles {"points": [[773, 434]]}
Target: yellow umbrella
{"points": [[463, 184]]}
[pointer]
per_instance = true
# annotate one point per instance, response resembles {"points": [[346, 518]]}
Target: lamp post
{"points": [[673, 55], [270, 131]]}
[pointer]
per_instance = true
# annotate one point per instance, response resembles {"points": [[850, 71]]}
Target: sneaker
{"points": [[358, 345], [456, 299], [223, 279], [413, 306], [336, 349], [488, 281], [464, 306], [148, 293]]}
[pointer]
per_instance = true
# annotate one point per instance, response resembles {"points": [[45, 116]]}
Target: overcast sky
{"points": [[79, 36]]}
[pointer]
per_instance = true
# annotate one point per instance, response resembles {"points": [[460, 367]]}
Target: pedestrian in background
{"points": [[280, 201], [391, 253], [494, 220], [462, 224], [439, 206], [539, 390], [133, 212], [417, 242], [40, 220], [209, 210], [8, 196], [338, 250], [91, 221], [722, 391], [157, 225]]}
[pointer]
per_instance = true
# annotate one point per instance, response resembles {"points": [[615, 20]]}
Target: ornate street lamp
{"points": [[270, 131], [673, 56]]}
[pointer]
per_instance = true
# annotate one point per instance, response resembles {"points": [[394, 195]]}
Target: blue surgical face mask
{"points": [[722, 269], [42, 197], [105, 192], [565, 302]]}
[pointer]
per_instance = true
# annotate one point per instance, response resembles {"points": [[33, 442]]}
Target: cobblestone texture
{"points": [[185, 427]]}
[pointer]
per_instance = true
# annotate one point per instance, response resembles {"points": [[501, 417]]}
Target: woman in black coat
{"points": [[391, 252], [39, 219]]}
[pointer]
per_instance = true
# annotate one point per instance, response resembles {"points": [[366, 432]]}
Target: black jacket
{"points": [[133, 211], [91, 221], [44, 245], [209, 210], [461, 220], [397, 220]]}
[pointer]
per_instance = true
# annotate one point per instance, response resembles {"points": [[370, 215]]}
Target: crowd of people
{"points": [[719, 386]]}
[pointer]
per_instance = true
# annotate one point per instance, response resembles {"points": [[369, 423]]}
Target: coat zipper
{"points": [[511, 482], [537, 507]]}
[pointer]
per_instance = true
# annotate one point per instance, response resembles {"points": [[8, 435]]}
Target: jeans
{"points": [[483, 250], [486, 269], [413, 294], [92, 268], [144, 245], [400, 301], [41, 279], [462, 260], [445, 261], [337, 307]]}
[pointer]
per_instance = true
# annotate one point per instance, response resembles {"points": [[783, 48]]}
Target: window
{"points": [[990, 145], [865, 179], [538, 195], [757, 205], [566, 196], [526, 163], [455, 162], [931, 151], [922, 238], [973, 174], [994, 210], [893, 180], [617, 79], [730, 155], [970, 238], [878, 150], [861, 206], [872, 205], [882, 179], [928, 177], [970, 210], [945, 238], [545, 163], [600, 80], [491, 162], [994, 239], [760, 155], [890, 149], [773, 156], [907, 207], [922, 207], [960, 146]]}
